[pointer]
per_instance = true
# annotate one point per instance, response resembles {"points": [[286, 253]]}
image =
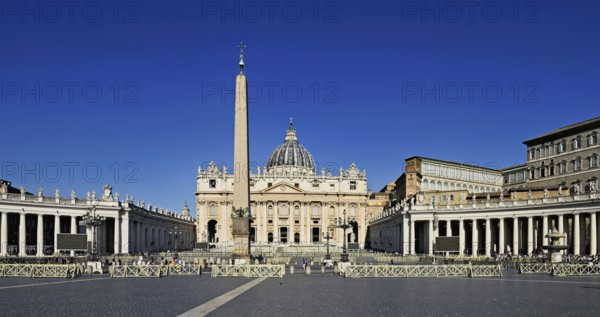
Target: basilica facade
{"points": [[292, 201]]}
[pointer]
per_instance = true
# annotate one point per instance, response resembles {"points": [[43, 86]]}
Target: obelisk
{"points": [[241, 162]]}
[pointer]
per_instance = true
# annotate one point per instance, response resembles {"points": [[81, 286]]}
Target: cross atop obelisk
{"points": [[241, 46]]}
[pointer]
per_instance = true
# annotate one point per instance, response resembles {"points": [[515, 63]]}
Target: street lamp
{"points": [[327, 236], [344, 225], [92, 220], [175, 232]]}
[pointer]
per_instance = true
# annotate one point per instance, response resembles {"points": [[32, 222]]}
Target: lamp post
{"points": [[344, 225], [176, 232], [92, 220], [327, 236]]}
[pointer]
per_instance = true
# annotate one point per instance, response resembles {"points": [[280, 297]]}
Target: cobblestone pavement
{"points": [[303, 295]]}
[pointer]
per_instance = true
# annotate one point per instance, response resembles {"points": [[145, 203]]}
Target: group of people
{"points": [[306, 262]]}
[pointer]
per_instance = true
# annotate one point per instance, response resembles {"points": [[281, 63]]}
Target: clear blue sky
{"points": [[359, 79]]}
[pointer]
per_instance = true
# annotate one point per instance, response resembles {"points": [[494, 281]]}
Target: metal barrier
{"points": [[533, 268], [574, 270], [40, 270], [248, 271], [126, 271], [486, 271], [460, 270]]}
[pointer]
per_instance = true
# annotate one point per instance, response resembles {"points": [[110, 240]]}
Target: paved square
{"points": [[303, 295]]}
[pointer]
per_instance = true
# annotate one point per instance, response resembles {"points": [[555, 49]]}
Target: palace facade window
{"points": [[531, 154], [577, 143], [551, 168], [593, 139], [562, 146], [284, 210], [296, 210], [593, 161], [352, 185], [577, 164], [270, 211], [315, 211], [562, 166], [212, 210], [212, 183]]}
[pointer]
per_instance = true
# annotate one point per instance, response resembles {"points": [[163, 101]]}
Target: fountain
{"points": [[555, 247]]}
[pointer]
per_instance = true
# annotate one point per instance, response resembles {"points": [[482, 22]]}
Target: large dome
{"points": [[291, 153]]}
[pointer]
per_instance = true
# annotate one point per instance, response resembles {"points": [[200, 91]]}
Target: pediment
{"points": [[282, 188]]}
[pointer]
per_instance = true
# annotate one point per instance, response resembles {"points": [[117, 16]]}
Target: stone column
{"points": [[22, 237], [4, 234], [412, 237], [202, 221], [488, 238], [404, 236], [56, 232], [431, 236], [224, 232], [125, 245], [118, 235], [544, 230], [40, 236], [302, 231], [265, 222], [448, 228], [576, 235], [561, 229], [475, 238], [276, 223], [593, 234], [73, 229], [461, 236], [516, 236], [529, 235], [501, 236], [324, 218]]}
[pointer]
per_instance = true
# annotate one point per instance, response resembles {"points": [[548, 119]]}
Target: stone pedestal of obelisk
{"points": [[241, 160]]}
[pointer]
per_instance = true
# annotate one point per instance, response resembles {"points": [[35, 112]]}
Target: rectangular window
{"points": [[576, 144], [578, 164], [593, 139], [531, 155], [551, 149], [352, 185], [212, 183], [451, 198], [297, 185], [563, 167], [542, 152], [593, 161], [315, 185], [443, 198]]}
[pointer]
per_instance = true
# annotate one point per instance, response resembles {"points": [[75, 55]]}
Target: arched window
{"points": [[270, 210], [352, 211], [331, 211], [445, 188], [213, 210], [284, 210], [315, 211], [426, 185], [296, 210]]}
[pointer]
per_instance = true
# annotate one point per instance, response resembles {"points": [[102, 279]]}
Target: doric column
{"points": [[265, 222], [412, 237], [56, 232], [529, 235], [501, 236], [576, 235], [4, 234], [125, 245], [302, 218], [430, 236], [475, 238], [202, 220], [404, 236], [448, 228], [40, 236], [561, 229], [225, 224], [593, 234], [488, 238], [22, 236], [118, 235], [276, 223], [544, 230], [73, 229], [461, 236], [516, 236], [324, 222]]}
